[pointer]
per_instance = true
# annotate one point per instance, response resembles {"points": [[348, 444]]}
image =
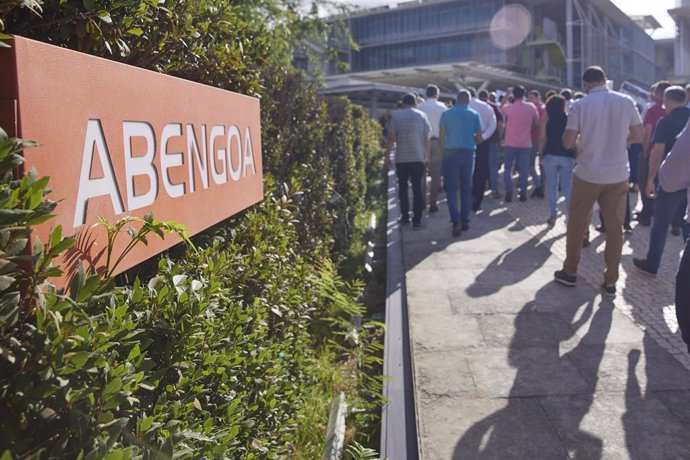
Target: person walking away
{"points": [[558, 161], [494, 142], [605, 120], [433, 109], [480, 177], [651, 117], [666, 204], [460, 133], [521, 118], [674, 175], [409, 131], [534, 97]]}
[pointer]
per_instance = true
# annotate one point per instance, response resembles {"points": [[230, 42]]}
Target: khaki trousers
{"points": [[611, 199], [435, 171]]}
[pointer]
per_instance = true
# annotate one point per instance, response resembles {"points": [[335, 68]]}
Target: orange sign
{"points": [[117, 140]]}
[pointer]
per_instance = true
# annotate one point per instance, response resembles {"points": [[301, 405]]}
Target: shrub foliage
{"points": [[217, 352]]}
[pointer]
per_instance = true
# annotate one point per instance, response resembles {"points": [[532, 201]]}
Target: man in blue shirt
{"points": [[460, 133]]}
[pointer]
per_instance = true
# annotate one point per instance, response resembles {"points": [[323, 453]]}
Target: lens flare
{"points": [[510, 26]]}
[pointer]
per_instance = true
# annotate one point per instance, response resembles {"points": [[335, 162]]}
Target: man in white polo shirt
{"points": [[606, 122], [480, 177], [433, 110]]}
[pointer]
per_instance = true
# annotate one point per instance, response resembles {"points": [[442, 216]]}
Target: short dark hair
{"points": [[483, 95], [472, 92], [519, 91], [534, 92], [432, 91], [464, 96], [567, 94], [409, 99], [594, 74], [549, 93], [661, 86], [578, 95], [675, 94]]}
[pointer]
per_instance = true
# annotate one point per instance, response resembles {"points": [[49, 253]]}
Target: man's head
{"points": [[567, 94], [483, 95], [409, 100], [660, 88], [550, 93], [534, 96], [519, 92], [432, 92], [464, 97], [674, 97], [593, 77], [472, 92], [492, 96]]}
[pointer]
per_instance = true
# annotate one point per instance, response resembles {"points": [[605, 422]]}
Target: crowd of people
{"points": [[595, 146]]}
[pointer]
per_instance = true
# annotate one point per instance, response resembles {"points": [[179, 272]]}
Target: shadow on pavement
{"points": [[513, 266], [546, 381]]}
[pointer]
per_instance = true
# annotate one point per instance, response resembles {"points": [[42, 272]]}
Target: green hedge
{"points": [[226, 350]]}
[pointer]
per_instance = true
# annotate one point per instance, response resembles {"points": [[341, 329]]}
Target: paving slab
{"points": [[510, 365]]}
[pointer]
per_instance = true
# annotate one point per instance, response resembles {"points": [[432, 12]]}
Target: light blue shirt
{"points": [[461, 123]]}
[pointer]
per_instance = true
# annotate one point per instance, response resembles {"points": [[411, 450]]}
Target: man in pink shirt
{"points": [[521, 118]]}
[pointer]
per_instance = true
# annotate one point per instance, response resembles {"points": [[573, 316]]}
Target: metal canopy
{"points": [[448, 77]]}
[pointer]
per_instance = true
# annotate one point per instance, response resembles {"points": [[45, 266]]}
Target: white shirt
{"points": [[487, 117], [433, 110], [603, 119]]}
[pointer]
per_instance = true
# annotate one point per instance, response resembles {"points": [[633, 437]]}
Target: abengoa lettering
{"points": [[220, 154]]}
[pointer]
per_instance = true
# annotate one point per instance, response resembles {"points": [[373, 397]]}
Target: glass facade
{"points": [[434, 33], [443, 32]]}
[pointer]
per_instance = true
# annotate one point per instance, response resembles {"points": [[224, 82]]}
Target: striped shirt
{"points": [[409, 128]]}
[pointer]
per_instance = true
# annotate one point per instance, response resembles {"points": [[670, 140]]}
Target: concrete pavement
{"points": [[510, 365]]}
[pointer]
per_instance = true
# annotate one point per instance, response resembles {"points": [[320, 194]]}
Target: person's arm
{"points": [[542, 138], [490, 125], [569, 139], [442, 141], [478, 137], [655, 159], [535, 120], [674, 173], [427, 150], [636, 134], [646, 137]]}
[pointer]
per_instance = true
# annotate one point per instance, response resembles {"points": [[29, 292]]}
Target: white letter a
{"points": [[91, 188]]}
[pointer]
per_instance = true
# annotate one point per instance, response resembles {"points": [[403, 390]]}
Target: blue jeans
{"points": [[458, 166], [558, 170], [521, 156], [493, 166], [665, 208]]}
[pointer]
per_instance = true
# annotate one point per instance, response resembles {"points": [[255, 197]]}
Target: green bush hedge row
{"points": [[216, 354]]}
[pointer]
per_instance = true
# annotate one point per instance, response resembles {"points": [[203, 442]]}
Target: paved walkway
{"points": [[510, 365]]}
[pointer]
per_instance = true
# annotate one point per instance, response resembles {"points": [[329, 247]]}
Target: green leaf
{"points": [[135, 31], [133, 353], [78, 359]]}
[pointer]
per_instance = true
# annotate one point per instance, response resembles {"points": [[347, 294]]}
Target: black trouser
{"points": [[481, 174], [683, 295], [412, 172]]}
